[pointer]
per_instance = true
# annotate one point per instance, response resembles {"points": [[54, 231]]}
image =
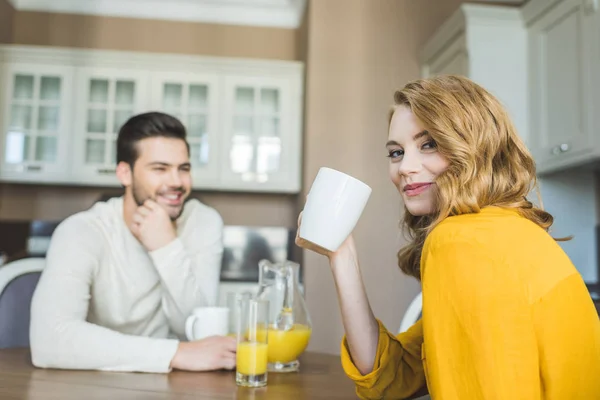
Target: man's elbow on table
{"points": [[46, 341], [42, 353]]}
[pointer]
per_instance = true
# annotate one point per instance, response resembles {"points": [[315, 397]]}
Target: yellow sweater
{"points": [[506, 316]]}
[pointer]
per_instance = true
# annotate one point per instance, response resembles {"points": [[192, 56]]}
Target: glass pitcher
{"points": [[289, 323]]}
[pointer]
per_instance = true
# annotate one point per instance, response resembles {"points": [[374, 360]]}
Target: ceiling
{"points": [[270, 13]]}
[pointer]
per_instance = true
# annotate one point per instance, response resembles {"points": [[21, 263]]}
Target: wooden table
{"points": [[320, 377]]}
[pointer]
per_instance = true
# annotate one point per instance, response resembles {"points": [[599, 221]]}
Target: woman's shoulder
{"points": [[491, 227], [495, 246]]}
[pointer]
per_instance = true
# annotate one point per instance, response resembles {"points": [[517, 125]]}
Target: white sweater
{"points": [[103, 302]]}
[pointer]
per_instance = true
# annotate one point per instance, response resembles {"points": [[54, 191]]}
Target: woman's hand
{"points": [[347, 246]]}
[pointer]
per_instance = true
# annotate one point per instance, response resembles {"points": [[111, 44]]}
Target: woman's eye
{"points": [[395, 153], [430, 144]]}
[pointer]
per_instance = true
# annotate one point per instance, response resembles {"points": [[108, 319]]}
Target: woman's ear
{"points": [[124, 173]]}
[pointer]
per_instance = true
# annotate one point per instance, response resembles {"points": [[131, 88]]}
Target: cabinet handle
{"points": [[563, 148], [106, 171], [33, 168]]}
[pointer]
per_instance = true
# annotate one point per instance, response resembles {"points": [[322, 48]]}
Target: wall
{"points": [[50, 29], [358, 53], [53, 203], [96, 32], [571, 197], [7, 13]]}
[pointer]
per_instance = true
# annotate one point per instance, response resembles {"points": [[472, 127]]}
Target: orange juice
{"points": [[251, 358], [286, 346]]}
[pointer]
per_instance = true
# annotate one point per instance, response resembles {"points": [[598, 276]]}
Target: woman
{"points": [[505, 313]]}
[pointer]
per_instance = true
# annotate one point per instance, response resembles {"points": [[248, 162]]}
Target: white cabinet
{"points": [[36, 122], [62, 109], [564, 75], [106, 99], [194, 99], [487, 44], [261, 134], [452, 59]]}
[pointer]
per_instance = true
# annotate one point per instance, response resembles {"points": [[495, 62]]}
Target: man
{"points": [[122, 277]]}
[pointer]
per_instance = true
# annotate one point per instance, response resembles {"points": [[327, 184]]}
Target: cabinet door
{"points": [[193, 99], [36, 124], [261, 146], [560, 76], [106, 99]]}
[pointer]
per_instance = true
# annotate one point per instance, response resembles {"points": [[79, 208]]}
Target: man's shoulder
{"points": [[90, 221]]}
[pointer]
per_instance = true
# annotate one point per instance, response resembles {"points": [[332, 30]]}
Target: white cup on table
{"points": [[207, 321]]}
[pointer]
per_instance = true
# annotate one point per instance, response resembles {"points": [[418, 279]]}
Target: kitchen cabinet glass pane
{"points": [[270, 126], [23, 89], [94, 151], [17, 147], [269, 100], [243, 126], [45, 148], [96, 121], [196, 125], [99, 91], [198, 97], [112, 153], [199, 153], [50, 88], [48, 119], [20, 117], [172, 96], [241, 154], [244, 100], [125, 93], [120, 117], [268, 155]]}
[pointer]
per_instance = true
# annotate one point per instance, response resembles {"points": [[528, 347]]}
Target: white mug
{"points": [[333, 206], [207, 321]]}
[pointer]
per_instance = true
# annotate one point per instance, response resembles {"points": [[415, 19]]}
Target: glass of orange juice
{"points": [[252, 342]]}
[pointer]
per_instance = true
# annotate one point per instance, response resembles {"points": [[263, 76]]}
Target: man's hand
{"points": [[211, 353], [152, 226]]}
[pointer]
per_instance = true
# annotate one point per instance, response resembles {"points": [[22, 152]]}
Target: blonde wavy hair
{"points": [[489, 165]]}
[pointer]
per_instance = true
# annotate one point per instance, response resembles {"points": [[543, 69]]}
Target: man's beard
{"points": [[140, 196]]}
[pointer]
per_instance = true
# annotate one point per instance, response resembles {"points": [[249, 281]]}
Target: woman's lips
{"points": [[415, 189]]}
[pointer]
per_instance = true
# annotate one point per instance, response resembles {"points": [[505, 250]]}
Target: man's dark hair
{"points": [[147, 125]]}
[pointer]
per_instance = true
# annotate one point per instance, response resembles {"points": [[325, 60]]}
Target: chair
{"points": [[412, 314], [18, 280]]}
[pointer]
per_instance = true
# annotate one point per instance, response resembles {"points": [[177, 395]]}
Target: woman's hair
{"points": [[489, 164]]}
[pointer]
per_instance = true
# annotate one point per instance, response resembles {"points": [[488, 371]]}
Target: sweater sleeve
{"points": [[60, 336], [190, 266], [398, 370]]}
